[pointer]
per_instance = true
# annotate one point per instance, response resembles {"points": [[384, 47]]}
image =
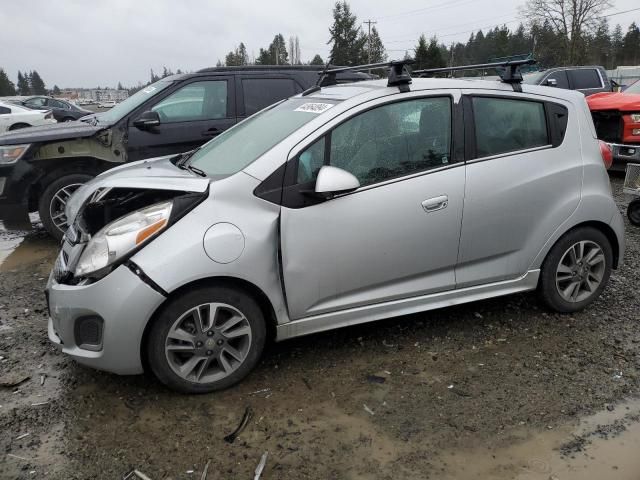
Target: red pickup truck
{"points": [[616, 116]]}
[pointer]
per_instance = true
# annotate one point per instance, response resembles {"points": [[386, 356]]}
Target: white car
{"points": [[107, 104], [13, 117]]}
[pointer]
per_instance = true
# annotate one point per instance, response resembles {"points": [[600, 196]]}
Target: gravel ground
{"points": [[387, 400]]}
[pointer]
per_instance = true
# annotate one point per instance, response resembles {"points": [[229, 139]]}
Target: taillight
{"points": [[607, 154]]}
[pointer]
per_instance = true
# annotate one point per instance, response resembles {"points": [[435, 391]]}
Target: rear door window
{"points": [[262, 92], [4, 110], [585, 78], [36, 102], [505, 125]]}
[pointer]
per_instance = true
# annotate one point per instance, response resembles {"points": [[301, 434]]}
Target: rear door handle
{"points": [[212, 132], [436, 203]]}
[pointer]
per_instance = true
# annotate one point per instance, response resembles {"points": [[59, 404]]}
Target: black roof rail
{"points": [[511, 73], [398, 74]]}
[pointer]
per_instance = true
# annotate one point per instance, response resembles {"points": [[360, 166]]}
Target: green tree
{"points": [[120, 87], [237, 57], [166, 72], [56, 90], [276, 54], [7, 88], [153, 77], [617, 42], [434, 55], [23, 84], [374, 48], [317, 60], [37, 84], [421, 54], [631, 45], [347, 40]]}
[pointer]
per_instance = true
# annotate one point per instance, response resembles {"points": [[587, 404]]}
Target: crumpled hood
{"points": [[51, 132], [151, 174], [626, 102]]}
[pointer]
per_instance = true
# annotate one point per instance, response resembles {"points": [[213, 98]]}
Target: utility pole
{"points": [[369, 23]]}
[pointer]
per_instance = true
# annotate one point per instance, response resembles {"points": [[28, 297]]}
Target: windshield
{"points": [[240, 146], [533, 78], [121, 109], [633, 88]]}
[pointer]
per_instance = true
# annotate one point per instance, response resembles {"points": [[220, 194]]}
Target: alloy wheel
{"points": [[58, 204], [580, 271], [208, 342]]}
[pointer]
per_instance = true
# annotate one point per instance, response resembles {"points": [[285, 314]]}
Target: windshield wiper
{"points": [[181, 164], [196, 170]]}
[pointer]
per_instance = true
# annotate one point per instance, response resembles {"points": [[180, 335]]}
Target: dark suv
{"points": [[41, 167], [588, 80]]}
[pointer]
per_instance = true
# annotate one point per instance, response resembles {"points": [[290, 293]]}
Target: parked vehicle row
{"points": [[174, 115], [341, 205], [63, 111], [14, 117]]}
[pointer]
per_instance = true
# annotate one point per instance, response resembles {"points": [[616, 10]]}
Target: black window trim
{"points": [[470, 130], [274, 188]]}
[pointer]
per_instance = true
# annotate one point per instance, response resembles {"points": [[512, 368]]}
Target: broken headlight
{"points": [[120, 237], [12, 153]]}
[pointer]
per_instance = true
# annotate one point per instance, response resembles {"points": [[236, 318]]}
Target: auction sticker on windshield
{"points": [[314, 107]]}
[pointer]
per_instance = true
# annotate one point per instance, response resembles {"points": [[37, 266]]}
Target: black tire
{"points": [[17, 126], [45, 205], [176, 309], [548, 288], [633, 212]]}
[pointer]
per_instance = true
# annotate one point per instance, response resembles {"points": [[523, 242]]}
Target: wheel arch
{"points": [[233, 282]]}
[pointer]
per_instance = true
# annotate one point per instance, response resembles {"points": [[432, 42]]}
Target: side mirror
{"points": [[147, 120], [334, 180], [551, 82]]}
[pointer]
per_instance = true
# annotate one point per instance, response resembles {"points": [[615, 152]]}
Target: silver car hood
{"points": [[151, 174]]}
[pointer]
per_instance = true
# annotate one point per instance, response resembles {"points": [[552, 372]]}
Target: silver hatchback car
{"points": [[342, 205]]}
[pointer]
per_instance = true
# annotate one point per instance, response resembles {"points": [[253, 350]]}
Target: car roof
{"points": [[262, 69], [379, 88]]}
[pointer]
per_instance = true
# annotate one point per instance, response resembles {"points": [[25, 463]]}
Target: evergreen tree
{"points": [[434, 55], [153, 77], [120, 87], [237, 57], [631, 45], [166, 72], [276, 54], [37, 84], [421, 54], [347, 41], [7, 88], [617, 42], [23, 84], [374, 48], [317, 60], [56, 90]]}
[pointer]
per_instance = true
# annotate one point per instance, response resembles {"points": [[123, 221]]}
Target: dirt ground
{"points": [[498, 389]]}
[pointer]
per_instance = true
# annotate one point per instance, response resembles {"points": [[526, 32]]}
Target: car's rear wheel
{"points": [[54, 200], [633, 212], [17, 126], [206, 339], [576, 270]]}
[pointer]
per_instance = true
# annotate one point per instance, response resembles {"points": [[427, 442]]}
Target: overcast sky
{"points": [[102, 42]]}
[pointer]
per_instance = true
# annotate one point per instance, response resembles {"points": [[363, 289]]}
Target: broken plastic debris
{"points": [[42, 377], [22, 436], [248, 413], [368, 410], [204, 472], [260, 467], [617, 376], [140, 475], [450, 386], [257, 392], [38, 404]]}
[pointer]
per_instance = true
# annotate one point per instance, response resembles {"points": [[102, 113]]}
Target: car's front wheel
{"points": [[53, 202], [576, 270], [206, 339]]}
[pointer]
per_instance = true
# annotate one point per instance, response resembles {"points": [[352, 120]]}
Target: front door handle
{"points": [[436, 203], [212, 132]]}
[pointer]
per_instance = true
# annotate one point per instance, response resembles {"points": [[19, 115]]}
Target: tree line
{"points": [[29, 83]]}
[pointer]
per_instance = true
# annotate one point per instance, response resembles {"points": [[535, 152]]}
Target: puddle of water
{"points": [[18, 250], [606, 444]]}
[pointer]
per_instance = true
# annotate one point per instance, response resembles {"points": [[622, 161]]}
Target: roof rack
{"points": [[511, 73], [398, 73]]}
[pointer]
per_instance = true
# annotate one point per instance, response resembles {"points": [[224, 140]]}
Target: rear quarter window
{"points": [[505, 125], [4, 110]]}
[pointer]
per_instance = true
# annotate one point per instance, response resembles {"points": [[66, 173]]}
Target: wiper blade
{"points": [[196, 170]]}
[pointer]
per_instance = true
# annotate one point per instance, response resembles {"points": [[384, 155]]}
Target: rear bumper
{"points": [[623, 154], [124, 303]]}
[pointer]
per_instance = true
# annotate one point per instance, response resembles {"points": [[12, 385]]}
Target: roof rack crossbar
{"points": [[511, 73], [398, 74]]}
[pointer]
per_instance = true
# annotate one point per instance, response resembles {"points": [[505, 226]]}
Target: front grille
{"points": [[609, 125]]}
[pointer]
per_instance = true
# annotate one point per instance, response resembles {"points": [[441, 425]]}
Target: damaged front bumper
{"points": [[623, 154], [101, 324]]}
